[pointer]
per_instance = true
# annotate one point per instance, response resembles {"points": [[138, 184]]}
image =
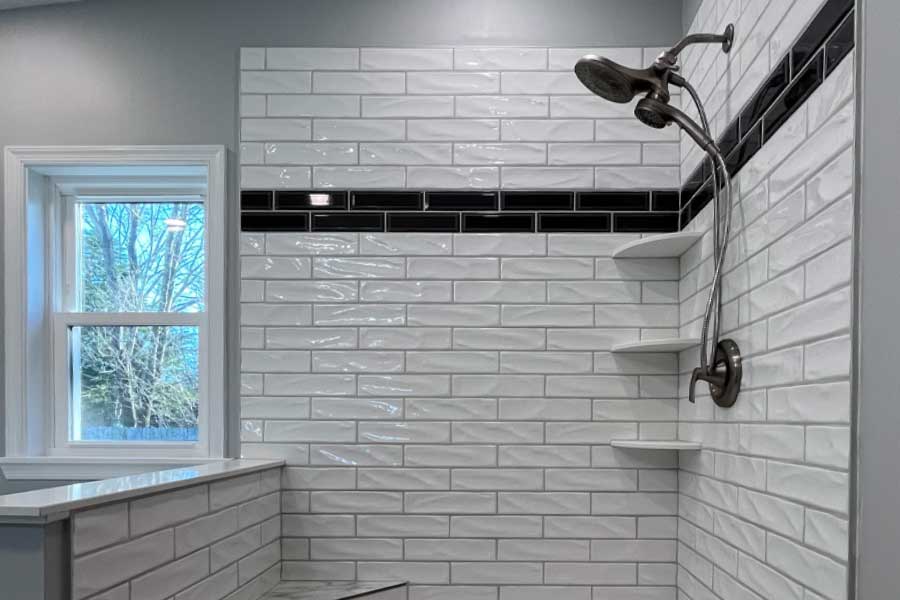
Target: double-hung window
{"points": [[128, 331], [127, 264]]}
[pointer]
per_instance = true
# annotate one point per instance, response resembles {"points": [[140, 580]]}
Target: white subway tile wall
{"points": [[454, 118], [446, 402], [763, 509], [220, 541]]}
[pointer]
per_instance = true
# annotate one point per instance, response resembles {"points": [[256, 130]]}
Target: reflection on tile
{"points": [[301, 200]]}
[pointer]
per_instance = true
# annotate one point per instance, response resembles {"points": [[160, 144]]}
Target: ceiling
{"points": [[8, 4]]}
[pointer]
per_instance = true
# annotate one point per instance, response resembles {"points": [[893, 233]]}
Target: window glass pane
{"points": [[134, 383], [140, 257]]}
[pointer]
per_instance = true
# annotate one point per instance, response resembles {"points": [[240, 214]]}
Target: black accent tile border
{"points": [[462, 211], [462, 201], [302, 200], [537, 201], [378, 200], [423, 221], [828, 38]]}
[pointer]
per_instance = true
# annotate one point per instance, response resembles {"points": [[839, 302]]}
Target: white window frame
{"points": [[36, 331]]}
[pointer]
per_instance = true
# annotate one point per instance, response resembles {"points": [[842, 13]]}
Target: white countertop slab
{"points": [[324, 590], [55, 500]]}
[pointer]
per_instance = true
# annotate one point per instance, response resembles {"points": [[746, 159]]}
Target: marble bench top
{"points": [[323, 590], [60, 500]]}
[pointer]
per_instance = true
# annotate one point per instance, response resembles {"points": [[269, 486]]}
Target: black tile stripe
{"points": [[776, 83], [461, 201], [347, 221], [256, 200], [388, 200], [828, 38], [537, 200], [310, 200], [801, 88], [574, 222], [840, 44], [666, 200], [498, 222], [613, 201], [645, 222], [274, 221], [423, 221], [456, 211], [813, 38]]}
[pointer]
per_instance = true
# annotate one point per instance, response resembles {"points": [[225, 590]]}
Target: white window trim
{"points": [[28, 420]]}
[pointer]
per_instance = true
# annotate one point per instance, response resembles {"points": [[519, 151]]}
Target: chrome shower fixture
{"points": [[720, 360]]}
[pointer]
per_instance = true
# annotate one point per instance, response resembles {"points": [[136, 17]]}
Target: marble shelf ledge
{"points": [[658, 345], [668, 245], [655, 444], [327, 590], [56, 502]]}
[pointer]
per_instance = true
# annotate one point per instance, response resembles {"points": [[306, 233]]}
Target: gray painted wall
{"points": [[878, 254], [165, 72], [689, 10]]}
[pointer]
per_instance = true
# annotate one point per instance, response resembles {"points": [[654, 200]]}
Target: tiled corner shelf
{"points": [[655, 444], [660, 345], [669, 245]]}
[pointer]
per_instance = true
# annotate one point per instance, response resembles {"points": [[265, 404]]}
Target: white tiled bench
{"points": [[314, 590]]}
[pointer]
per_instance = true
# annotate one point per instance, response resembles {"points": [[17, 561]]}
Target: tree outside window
{"points": [[135, 381]]}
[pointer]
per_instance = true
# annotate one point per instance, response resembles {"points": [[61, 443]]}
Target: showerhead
{"points": [[617, 83], [657, 114]]}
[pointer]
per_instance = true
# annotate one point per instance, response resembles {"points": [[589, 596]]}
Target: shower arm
{"points": [[670, 56]]}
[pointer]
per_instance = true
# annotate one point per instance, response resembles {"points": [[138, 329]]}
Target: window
{"points": [[133, 302], [122, 274]]}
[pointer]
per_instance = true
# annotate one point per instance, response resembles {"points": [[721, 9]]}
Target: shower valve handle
{"points": [[715, 381], [723, 376]]}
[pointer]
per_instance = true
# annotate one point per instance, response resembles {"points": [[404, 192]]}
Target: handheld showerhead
{"points": [[657, 114], [617, 83]]}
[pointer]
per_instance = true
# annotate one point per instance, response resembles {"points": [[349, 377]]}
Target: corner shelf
{"points": [[669, 245], [655, 444], [659, 345]]}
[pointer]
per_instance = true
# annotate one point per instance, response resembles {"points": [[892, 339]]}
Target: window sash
{"points": [[67, 279], [63, 371]]}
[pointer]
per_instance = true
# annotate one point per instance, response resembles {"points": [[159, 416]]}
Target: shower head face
{"points": [[607, 79], [657, 114], [651, 112]]}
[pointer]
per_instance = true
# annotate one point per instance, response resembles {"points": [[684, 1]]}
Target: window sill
{"points": [[88, 468]]}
